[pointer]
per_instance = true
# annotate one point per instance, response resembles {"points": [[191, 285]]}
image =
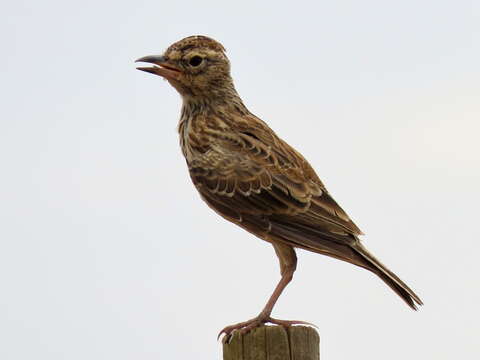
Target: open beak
{"points": [[163, 69]]}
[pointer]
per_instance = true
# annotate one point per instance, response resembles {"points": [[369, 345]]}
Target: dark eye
{"points": [[195, 61]]}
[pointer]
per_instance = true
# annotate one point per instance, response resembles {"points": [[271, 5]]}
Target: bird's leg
{"points": [[288, 263]]}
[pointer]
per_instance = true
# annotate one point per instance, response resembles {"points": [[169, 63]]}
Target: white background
{"points": [[107, 251]]}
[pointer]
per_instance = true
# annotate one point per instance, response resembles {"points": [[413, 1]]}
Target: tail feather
{"points": [[392, 280], [343, 247]]}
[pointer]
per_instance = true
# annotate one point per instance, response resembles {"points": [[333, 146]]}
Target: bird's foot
{"points": [[245, 326]]}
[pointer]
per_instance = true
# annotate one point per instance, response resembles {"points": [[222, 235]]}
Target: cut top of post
{"points": [[274, 343]]}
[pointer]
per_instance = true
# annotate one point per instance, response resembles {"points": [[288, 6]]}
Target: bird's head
{"points": [[196, 66]]}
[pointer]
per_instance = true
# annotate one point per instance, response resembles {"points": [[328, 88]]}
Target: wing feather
{"points": [[249, 174]]}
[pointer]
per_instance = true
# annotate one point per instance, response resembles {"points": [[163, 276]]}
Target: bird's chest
{"points": [[194, 140]]}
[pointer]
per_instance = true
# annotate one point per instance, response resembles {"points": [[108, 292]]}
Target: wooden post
{"points": [[274, 343]]}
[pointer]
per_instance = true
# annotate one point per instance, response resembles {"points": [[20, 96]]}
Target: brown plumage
{"points": [[251, 177]]}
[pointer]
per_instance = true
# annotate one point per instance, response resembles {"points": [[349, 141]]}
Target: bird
{"points": [[249, 176]]}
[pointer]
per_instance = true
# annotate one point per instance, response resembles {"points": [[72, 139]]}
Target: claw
{"points": [[287, 323], [228, 330], [246, 326]]}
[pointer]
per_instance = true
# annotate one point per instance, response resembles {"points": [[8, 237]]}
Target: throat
{"points": [[209, 105], [213, 97]]}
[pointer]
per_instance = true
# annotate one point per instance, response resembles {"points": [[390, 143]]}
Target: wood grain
{"points": [[274, 343]]}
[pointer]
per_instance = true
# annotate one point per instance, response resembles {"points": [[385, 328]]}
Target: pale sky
{"points": [[107, 251]]}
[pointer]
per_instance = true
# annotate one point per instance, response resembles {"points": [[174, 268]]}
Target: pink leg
{"points": [[288, 262]]}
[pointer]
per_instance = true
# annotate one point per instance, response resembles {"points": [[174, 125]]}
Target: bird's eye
{"points": [[195, 61]]}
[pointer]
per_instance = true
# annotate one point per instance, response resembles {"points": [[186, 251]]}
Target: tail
{"points": [[392, 280], [341, 247]]}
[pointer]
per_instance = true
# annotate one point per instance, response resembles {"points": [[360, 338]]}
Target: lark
{"points": [[254, 179]]}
